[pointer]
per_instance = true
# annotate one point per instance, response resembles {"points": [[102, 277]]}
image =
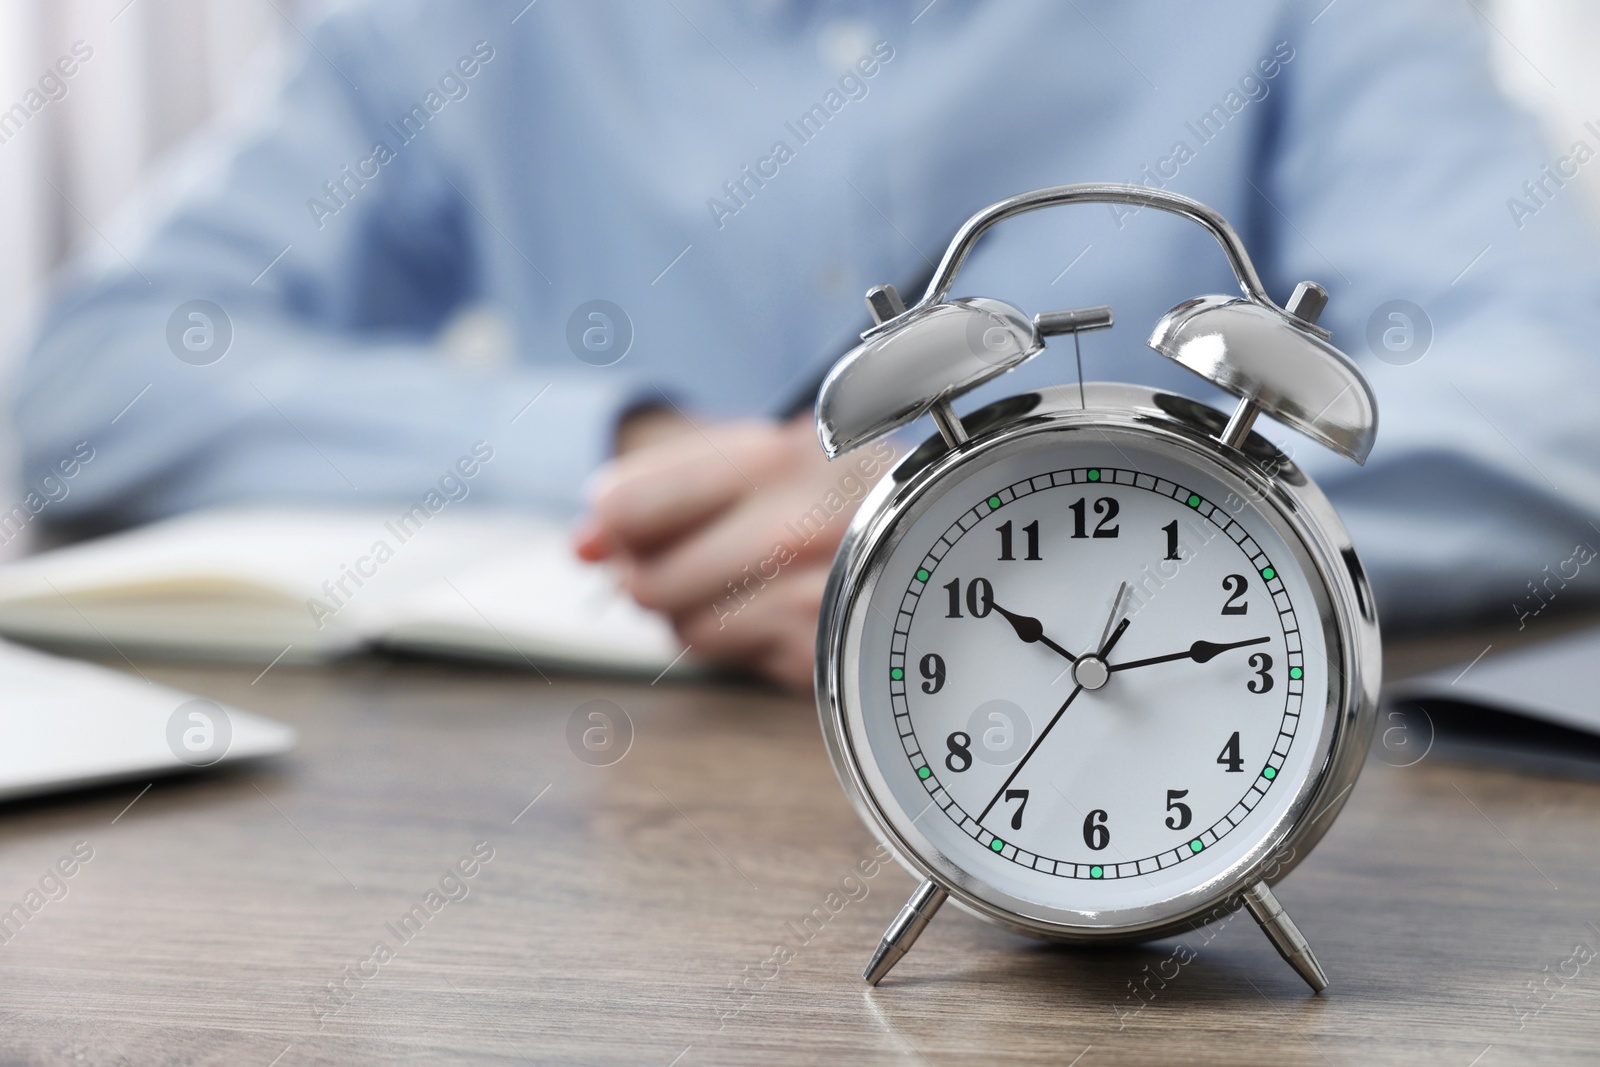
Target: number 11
{"points": [[1031, 530]]}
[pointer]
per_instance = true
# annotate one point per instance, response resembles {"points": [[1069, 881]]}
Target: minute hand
{"points": [[1200, 652]]}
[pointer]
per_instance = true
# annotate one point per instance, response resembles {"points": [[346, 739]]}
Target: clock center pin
{"points": [[1091, 672]]}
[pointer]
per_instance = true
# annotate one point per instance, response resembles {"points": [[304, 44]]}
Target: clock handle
{"points": [[904, 931], [1285, 935], [1097, 193]]}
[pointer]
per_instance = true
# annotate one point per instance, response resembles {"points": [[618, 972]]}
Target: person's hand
{"points": [[729, 529]]}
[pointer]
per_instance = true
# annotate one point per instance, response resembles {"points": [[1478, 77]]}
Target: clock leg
{"points": [[904, 931], [1284, 935]]}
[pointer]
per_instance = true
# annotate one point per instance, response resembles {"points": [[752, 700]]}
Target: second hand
{"points": [[1031, 749]]}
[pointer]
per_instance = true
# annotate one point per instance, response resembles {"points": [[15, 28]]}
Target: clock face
{"points": [[1092, 675]]}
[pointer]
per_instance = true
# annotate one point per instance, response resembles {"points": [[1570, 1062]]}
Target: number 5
{"points": [[1174, 804]]}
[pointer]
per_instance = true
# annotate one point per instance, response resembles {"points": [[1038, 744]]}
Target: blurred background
{"points": [[159, 69]]}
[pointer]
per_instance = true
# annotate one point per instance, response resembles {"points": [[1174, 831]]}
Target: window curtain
{"points": [[91, 92]]}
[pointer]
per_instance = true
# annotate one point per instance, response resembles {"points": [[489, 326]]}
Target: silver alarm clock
{"points": [[1097, 662]]}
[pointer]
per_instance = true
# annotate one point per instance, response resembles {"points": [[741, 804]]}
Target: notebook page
{"points": [[240, 582], [538, 605]]}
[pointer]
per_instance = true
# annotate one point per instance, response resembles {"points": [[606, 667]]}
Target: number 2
{"points": [[1235, 585]]}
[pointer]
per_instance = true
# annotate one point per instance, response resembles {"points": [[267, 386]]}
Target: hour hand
{"points": [[1031, 630], [1200, 652]]}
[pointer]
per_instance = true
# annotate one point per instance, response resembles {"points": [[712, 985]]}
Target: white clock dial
{"points": [[1060, 754]]}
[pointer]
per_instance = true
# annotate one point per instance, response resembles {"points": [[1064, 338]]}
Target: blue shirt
{"points": [[732, 176]]}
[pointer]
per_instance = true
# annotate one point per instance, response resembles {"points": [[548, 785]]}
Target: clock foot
{"points": [[904, 931], [1284, 935]]}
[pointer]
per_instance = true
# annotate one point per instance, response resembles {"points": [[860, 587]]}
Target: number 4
{"points": [[1229, 756]]}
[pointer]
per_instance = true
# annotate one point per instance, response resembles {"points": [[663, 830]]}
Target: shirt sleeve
{"points": [[1397, 173], [312, 371]]}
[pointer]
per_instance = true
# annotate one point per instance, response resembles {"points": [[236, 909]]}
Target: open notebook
{"points": [[255, 584]]}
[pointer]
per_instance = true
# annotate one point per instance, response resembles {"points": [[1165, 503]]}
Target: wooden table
{"points": [[630, 913]]}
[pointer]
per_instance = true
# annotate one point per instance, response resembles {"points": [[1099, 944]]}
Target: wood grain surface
{"points": [[703, 900]]}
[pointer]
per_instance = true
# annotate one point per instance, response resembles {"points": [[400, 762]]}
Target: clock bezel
{"points": [[1314, 534]]}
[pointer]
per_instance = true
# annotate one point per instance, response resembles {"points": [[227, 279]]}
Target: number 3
{"points": [[1263, 679]]}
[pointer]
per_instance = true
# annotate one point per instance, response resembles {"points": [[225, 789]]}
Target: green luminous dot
{"points": [[897, 674], [1094, 476], [922, 576], [1269, 773], [994, 502], [1095, 872], [1296, 673], [925, 774], [1195, 846], [1194, 501], [997, 844], [1269, 574]]}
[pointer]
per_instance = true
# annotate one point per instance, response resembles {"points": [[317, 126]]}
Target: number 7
{"points": [[1017, 794]]}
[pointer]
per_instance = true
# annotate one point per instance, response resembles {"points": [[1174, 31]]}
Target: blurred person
{"points": [[729, 178]]}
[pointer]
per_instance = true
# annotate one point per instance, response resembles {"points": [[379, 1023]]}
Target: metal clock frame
{"points": [[1285, 497]]}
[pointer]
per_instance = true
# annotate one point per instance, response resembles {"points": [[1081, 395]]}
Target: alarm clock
{"points": [[1098, 661]]}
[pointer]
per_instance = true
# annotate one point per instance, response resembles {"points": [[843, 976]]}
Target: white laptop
{"points": [[65, 724]]}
